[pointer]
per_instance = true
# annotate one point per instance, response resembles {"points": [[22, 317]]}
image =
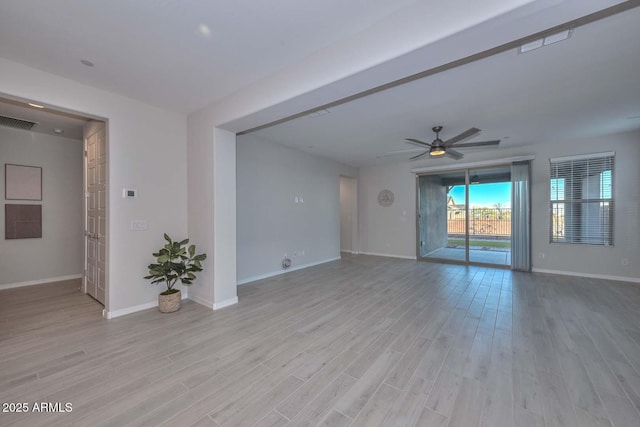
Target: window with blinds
{"points": [[582, 199]]}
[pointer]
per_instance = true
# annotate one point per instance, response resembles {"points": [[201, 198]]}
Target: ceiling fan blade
{"points": [[478, 143], [418, 142], [453, 154], [464, 135], [419, 155]]}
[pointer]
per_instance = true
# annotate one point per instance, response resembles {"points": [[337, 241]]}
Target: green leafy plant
{"points": [[175, 261]]}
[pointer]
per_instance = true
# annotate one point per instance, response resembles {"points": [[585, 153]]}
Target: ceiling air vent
{"points": [[16, 123]]}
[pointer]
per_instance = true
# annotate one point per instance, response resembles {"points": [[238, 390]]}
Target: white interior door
{"points": [[95, 234]]}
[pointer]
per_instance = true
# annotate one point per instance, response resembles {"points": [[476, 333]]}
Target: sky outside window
{"points": [[484, 195]]}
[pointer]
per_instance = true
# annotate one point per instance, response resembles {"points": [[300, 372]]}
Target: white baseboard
{"points": [[389, 255], [40, 281], [278, 273], [214, 306], [124, 311], [129, 310], [225, 303], [201, 301], [349, 252], [589, 275]]}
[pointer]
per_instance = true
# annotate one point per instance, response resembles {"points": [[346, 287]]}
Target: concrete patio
{"points": [[476, 254]]}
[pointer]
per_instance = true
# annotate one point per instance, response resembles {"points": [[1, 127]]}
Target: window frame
{"points": [[577, 171]]}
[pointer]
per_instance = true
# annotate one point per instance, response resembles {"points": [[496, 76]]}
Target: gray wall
{"points": [[433, 214], [59, 252], [269, 222], [386, 232]]}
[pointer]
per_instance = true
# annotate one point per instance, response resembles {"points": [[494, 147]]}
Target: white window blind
{"points": [[582, 202]]}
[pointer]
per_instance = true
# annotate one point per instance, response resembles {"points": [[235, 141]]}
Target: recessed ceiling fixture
{"points": [[204, 30], [531, 46], [546, 41], [35, 105], [558, 37], [58, 131], [86, 62], [318, 113]]}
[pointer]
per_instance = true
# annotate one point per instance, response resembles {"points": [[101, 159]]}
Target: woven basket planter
{"points": [[170, 303]]}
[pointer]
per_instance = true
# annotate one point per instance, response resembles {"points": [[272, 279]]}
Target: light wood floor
{"points": [[364, 341]]}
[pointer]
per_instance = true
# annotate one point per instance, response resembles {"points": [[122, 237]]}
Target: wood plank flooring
{"points": [[364, 341]]}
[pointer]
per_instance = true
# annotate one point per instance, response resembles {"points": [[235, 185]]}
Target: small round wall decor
{"points": [[385, 198]]}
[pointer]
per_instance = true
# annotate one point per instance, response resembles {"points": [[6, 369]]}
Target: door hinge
{"points": [[85, 153]]}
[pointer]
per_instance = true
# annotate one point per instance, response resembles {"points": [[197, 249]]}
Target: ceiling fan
{"points": [[440, 148]]}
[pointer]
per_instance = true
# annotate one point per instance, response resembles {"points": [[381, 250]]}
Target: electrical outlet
{"points": [[625, 261], [302, 253], [139, 225], [541, 255]]}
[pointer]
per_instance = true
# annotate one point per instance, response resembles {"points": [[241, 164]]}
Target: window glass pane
{"points": [[557, 188]]}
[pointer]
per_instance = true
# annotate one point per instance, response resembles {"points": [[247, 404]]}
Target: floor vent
{"points": [[16, 123]]}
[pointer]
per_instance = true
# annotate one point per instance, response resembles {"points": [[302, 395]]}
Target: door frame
{"points": [[466, 170], [353, 201], [85, 195], [105, 120]]}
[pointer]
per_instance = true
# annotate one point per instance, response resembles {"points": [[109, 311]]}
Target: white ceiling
{"points": [[153, 50], [46, 120], [588, 85], [264, 60]]}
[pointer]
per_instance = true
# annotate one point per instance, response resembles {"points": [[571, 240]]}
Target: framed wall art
{"points": [[22, 221], [22, 182]]}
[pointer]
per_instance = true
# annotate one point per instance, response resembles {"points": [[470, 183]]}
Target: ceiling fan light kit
{"points": [[439, 148], [436, 151]]}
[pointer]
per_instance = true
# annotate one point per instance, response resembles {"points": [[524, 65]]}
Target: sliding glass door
{"points": [[490, 216], [465, 216], [442, 207]]}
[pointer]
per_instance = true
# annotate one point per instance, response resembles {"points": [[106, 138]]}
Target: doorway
{"points": [[75, 196], [464, 216], [348, 215]]}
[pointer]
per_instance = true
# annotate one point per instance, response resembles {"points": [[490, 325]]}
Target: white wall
{"points": [[224, 219], [59, 253], [147, 151], [211, 154], [388, 231], [200, 201], [586, 259], [269, 222]]}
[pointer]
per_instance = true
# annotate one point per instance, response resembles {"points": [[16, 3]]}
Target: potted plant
{"points": [[174, 261]]}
